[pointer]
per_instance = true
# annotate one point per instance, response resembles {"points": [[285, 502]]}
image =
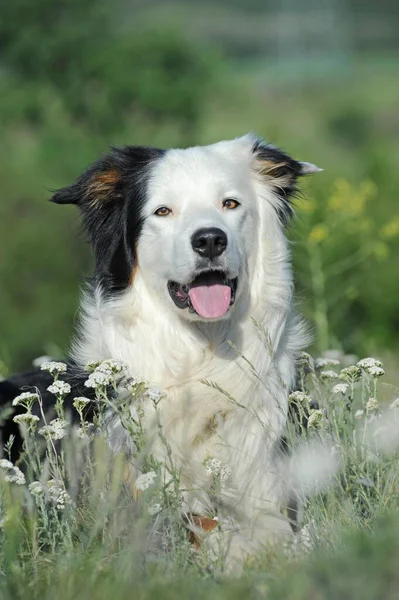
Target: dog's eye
{"points": [[163, 211], [230, 203]]}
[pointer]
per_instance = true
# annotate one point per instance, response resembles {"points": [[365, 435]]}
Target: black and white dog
{"points": [[193, 282]]}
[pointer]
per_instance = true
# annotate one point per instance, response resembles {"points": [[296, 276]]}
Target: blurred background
{"points": [[316, 77]]}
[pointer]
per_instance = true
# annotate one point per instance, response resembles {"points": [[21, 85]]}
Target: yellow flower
{"points": [[318, 234], [390, 229], [307, 206], [351, 199], [341, 195]]}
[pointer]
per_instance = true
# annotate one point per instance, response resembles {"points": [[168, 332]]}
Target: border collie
{"points": [[193, 292]]}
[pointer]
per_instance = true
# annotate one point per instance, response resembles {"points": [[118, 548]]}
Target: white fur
{"points": [[175, 351]]}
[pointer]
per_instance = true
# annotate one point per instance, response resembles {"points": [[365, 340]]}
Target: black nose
{"points": [[209, 243]]}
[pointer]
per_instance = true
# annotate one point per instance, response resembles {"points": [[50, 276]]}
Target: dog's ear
{"points": [[281, 172], [103, 184], [100, 184]]}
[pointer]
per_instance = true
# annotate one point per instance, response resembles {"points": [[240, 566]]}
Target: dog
{"points": [[193, 292]]}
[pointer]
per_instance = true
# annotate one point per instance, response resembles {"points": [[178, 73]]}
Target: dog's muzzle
{"points": [[209, 295]]}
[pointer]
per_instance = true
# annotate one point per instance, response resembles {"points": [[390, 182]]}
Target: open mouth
{"points": [[210, 294]]}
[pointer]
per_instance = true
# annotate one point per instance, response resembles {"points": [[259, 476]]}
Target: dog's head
{"points": [[187, 220]]}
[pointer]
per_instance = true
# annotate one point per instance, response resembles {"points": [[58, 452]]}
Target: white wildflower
{"points": [[111, 366], [372, 405], [36, 488], [58, 494], [53, 367], [376, 372], [320, 363], [340, 388], [359, 414], [134, 383], [213, 466], [92, 365], [225, 472], [55, 431], [306, 361], [154, 508], [298, 397], [86, 431], [26, 399], [26, 419], [368, 363], [155, 395], [146, 480], [315, 419], [12, 474], [328, 375], [59, 388], [6, 464], [80, 402], [351, 374], [99, 380]]}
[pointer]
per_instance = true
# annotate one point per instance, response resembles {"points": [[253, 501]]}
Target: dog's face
{"points": [[188, 220]]}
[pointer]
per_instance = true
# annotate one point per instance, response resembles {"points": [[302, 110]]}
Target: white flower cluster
{"points": [[321, 363], [340, 388], [372, 405], [12, 474], [80, 402], [133, 383], [57, 494], [351, 374], [372, 366], [306, 361], [36, 489], [328, 375], [53, 367], [26, 419], [87, 432], [59, 388], [26, 399], [54, 490], [146, 480], [213, 466], [56, 430], [154, 508], [315, 419], [367, 363], [155, 395], [97, 379], [299, 398], [103, 373]]}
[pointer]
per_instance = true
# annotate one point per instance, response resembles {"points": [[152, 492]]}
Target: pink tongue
{"points": [[210, 301]]}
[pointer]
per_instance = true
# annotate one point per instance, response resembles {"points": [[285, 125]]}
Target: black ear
{"points": [[110, 195], [281, 172], [99, 184]]}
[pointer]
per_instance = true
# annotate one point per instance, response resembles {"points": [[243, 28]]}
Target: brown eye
{"points": [[163, 211], [230, 203]]}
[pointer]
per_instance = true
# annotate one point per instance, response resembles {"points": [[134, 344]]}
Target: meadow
{"points": [[70, 525]]}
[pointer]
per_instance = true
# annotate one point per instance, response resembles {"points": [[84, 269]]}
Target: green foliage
{"points": [[75, 52]]}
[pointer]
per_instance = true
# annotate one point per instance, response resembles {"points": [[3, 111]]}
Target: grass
{"points": [[72, 527]]}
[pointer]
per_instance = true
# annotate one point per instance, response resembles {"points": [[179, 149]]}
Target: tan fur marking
{"points": [[205, 524], [101, 185]]}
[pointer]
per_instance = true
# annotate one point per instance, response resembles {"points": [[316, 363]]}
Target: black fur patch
{"points": [[110, 195], [282, 171], [38, 381]]}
